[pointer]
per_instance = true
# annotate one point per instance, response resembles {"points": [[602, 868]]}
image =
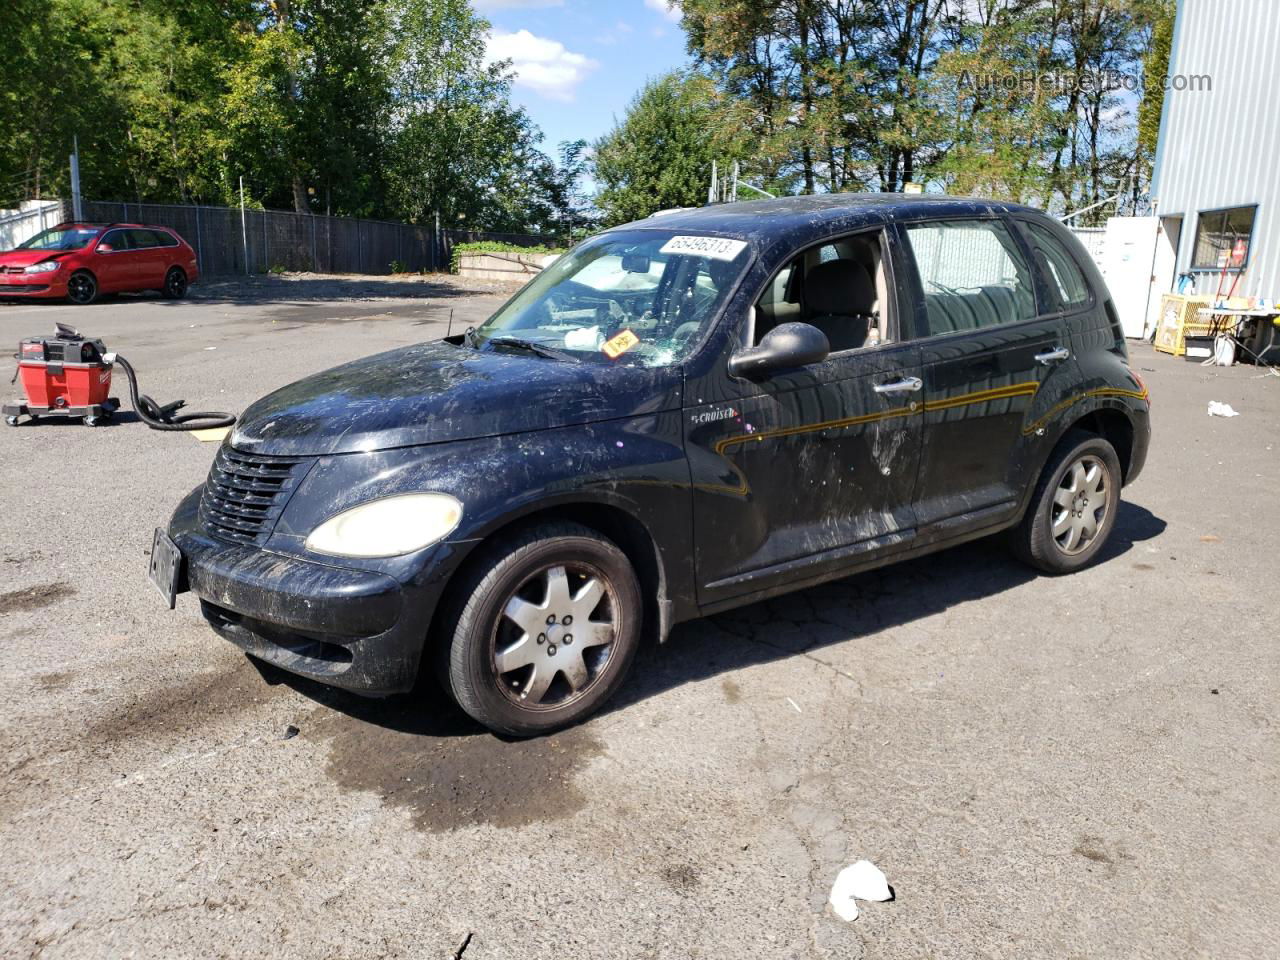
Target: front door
{"points": [[989, 357], [114, 262], [808, 470]]}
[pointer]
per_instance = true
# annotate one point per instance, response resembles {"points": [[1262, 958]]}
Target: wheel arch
{"points": [[1114, 426], [609, 520]]}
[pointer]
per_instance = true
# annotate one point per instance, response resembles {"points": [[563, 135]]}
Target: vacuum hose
{"points": [[159, 417]]}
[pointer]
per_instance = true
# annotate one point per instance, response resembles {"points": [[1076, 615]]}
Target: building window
{"points": [[1223, 238]]}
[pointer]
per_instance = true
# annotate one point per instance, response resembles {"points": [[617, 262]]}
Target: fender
{"points": [[635, 465]]}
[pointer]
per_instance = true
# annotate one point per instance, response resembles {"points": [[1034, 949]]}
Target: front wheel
{"points": [[82, 288], [1073, 509], [548, 628]]}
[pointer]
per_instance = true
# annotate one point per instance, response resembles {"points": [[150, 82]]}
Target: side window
{"points": [[1065, 275], [142, 239], [163, 238], [839, 286], [117, 240], [973, 274]]}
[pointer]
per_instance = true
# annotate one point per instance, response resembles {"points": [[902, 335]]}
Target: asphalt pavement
{"points": [[1068, 767]]}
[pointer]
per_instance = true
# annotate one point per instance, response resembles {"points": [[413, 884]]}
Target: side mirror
{"points": [[635, 263], [105, 248], [786, 345]]}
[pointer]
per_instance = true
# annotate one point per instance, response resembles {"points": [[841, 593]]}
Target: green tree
{"points": [[458, 147], [1155, 69], [660, 155]]}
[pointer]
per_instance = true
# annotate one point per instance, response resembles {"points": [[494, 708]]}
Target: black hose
{"points": [[162, 418]]}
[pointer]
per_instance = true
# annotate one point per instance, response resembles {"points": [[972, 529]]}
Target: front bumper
{"points": [[33, 285], [356, 629]]}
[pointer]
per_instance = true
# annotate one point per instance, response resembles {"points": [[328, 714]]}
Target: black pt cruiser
{"points": [[679, 416]]}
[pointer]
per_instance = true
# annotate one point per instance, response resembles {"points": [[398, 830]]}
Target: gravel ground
{"points": [[1074, 767]]}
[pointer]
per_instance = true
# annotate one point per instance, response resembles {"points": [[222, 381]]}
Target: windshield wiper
{"points": [[542, 350]]}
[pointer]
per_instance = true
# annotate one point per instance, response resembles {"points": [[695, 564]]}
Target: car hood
{"points": [[23, 258], [438, 391]]}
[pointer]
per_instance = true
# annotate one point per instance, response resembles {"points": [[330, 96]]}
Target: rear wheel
{"points": [[548, 628], [82, 288], [175, 284], [1073, 509]]}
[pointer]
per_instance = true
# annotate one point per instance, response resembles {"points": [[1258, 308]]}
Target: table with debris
{"points": [[1253, 330]]}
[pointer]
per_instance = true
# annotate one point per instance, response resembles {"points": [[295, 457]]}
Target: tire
{"points": [[175, 284], [82, 288], [1078, 495], [512, 661], [11, 421]]}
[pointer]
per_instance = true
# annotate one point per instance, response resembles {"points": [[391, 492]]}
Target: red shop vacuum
{"points": [[68, 375]]}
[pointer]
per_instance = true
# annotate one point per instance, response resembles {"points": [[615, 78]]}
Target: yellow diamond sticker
{"points": [[619, 344]]}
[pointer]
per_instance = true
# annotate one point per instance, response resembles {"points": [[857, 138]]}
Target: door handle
{"points": [[905, 385], [1056, 355]]}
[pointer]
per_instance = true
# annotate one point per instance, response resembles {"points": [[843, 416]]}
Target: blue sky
{"points": [[578, 63]]}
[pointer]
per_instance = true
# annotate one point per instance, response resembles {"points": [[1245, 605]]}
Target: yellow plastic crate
{"points": [[1179, 317]]}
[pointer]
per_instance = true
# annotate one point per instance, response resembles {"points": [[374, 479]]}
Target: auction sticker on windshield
{"points": [[619, 344], [715, 248]]}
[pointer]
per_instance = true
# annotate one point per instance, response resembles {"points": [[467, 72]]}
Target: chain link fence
{"points": [[228, 243]]}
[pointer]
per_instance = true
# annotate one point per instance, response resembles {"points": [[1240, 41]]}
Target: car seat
{"points": [[840, 301]]}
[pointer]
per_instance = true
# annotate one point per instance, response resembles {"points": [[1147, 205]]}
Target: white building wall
{"points": [[25, 222], [1221, 147]]}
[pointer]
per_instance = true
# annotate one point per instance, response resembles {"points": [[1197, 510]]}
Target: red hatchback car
{"points": [[80, 261]]}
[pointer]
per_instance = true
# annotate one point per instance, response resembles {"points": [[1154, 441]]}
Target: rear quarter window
{"points": [[1065, 277]]}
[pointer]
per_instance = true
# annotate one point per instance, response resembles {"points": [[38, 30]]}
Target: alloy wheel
{"points": [[1080, 505], [81, 288], [555, 636], [175, 284]]}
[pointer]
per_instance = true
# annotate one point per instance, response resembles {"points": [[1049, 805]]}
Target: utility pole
{"points": [[244, 232], [77, 208]]}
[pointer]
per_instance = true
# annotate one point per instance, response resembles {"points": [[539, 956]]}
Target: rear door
{"points": [[996, 360], [150, 258], [114, 261]]}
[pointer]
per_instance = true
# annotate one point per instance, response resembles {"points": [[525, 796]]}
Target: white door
{"points": [[1129, 266]]}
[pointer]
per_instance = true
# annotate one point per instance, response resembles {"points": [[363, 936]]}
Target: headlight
{"points": [[388, 527], [47, 266]]}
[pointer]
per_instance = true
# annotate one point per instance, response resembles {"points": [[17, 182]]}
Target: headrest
{"points": [[839, 288]]}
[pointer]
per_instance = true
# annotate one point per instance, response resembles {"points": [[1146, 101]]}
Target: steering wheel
{"points": [[686, 331]]}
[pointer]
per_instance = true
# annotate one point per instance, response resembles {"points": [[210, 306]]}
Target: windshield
{"points": [[632, 296], [60, 238]]}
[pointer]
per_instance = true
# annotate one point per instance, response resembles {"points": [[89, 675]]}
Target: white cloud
{"points": [[541, 64], [483, 5], [668, 8]]}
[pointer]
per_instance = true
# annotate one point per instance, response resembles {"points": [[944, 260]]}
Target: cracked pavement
{"points": [[1073, 767]]}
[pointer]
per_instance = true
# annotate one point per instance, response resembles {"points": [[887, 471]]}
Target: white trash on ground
{"points": [[864, 881], [1217, 409]]}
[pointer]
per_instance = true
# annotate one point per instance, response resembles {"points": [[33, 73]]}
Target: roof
{"points": [[823, 213], [91, 225]]}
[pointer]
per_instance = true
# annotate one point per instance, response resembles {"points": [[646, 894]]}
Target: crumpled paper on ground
{"points": [[863, 881], [1217, 409]]}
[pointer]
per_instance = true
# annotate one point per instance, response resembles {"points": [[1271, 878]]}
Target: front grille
{"points": [[246, 493]]}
